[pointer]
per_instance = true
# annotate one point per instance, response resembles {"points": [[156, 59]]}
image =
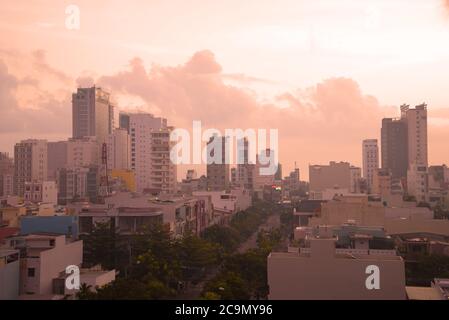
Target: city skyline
{"points": [[211, 84]]}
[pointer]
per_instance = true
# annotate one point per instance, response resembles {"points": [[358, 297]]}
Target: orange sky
{"points": [[323, 72]]}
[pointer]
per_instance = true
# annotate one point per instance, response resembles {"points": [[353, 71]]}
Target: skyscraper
{"points": [[394, 145], [30, 163], [92, 114], [370, 151]]}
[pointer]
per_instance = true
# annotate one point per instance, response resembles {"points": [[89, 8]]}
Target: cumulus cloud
{"points": [[46, 114]]}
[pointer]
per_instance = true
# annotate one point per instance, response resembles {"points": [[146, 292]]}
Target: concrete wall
{"points": [[54, 261], [293, 277], [9, 280]]}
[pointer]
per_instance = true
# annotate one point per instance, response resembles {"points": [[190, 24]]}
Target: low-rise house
{"points": [[42, 258]]}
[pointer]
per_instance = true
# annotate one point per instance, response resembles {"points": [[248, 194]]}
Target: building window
{"points": [[31, 272]]}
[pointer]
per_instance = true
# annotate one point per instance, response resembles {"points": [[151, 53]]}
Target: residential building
{"points": [[57, 158], [218, 169], [417, 182], [355, 175], [43, 257], [417, 135], [245, 171], [30, 163], [82, 152], [78, 183], [150, 153], [6, 175], [261, 179], [336, 174], [119, 150], [43, 191], [370, 160], [394, 145]]}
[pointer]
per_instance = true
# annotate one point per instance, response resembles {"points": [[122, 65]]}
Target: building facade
{"points": [[92, 114], [370, 155], [30, 163]]}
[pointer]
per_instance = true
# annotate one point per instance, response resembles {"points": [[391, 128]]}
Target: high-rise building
{"points": [[30, 163], [417, 135], [92, 114], [394, 145], [82, 152], [57, 158], [218, 168], [370, 152], [119, 150], [150, 152], [244, 174], [261, 180]]}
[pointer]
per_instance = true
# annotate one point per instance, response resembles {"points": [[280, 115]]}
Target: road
{"points": [[194, 291], [271, 222]]}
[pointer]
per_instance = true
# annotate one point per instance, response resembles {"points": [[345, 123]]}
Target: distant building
{"points": [[417, 182], [336, 174], [82, 152], [57, 158], [6, 175], [355, 177], [394, 146], [370, 160], [44, 191], [150, 152], [417, 135], [245, 171], [78, 183], [30, 163], [119, 150], [218, 169], [92, 114], [261, 179]]}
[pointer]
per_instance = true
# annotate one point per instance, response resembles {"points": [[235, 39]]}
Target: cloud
{"points": [[47, 115], [41, 65]]}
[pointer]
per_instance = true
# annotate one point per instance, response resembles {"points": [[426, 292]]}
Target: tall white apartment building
{"points": [[119, 150], [82, 152], [150, 153], [370, 157], [30, 163], [417, 135]]}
